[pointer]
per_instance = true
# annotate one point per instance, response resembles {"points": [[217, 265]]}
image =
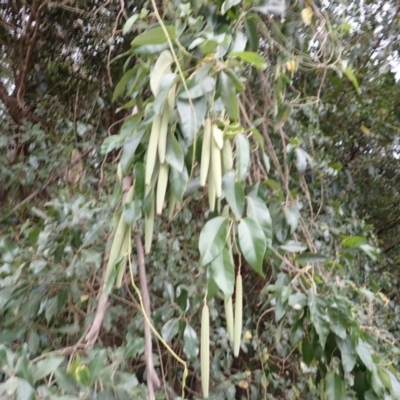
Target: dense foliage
{"points": [[249, 149]]}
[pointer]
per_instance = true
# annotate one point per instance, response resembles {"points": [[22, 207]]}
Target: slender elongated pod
{"points": [[205, 351], [237, 336]]}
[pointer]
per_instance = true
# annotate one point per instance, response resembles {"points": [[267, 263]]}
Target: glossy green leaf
{"points": [[293, 247], [97, 365], [46, 367], [370, 251], [179, 182], [129, 149], [347, 352], [318, 317], [23, 369], [334, 387], [190, 121], [203, 87], [292, 216], [121, 85], [132, 211], [311, 258], [352, 78], [307, 350], [297, 332], [234, 193], [174, 155], [129, 23], [82, 375], [252, 243], [111, 143], [228, 4], [170, 329], [228, 96], [251, 32], [223, 272], [353, 241], [242, 156], [153, 36], [252, 58], [190, 342], [258, 210], [376, 382], [65, 381], [212, 239], [363, 351]]}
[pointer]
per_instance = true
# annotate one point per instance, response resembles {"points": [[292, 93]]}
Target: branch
{"points": [[152, 378]]}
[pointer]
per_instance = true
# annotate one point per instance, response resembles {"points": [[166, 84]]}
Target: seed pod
{"points": [[171, 103], [124, 253], [216, 168], [205, 152], [205, 351], [152, 148], [148, 228], [229, 317], [227, 156], [237, 335], [218, 136], [162, 187], [211, 190], [162, 137], [171, 204]]}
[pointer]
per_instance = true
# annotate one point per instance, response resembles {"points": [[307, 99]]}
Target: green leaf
{"points": [[297, 332], [129, 23], [212, 239], [190, 121], [174, 155], [297, 300], [111, 143], [97, 365], [170, 329], [121, 85], [334, 387], [258, 210], [352, 78], [384, 377], [363, 351], [270, 7], [395, 391], [190, 342], [251, 32], [153, 36], [310, 258], [161, 99], [280, 309], [293, 247], [23, 369], [132, 211], [252, 243], [82, 375], [223, 272], [376, 382], [347, 352], [178, 181], [234, 193], [203, 87], [228, 96], [242, 156], [129, 149], [250, 57], [65, 382], [318, 316], [302, 157], [353, 241], [307, 350], [46, 367], [228, 4], [134, 347], [370, 251], [292, 216]]}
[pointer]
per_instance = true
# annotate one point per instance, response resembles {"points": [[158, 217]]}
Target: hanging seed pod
{"points": [[237, 335], [205, 351]]}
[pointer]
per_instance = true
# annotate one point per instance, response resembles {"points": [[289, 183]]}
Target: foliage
{"points": [[260, 147]]}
